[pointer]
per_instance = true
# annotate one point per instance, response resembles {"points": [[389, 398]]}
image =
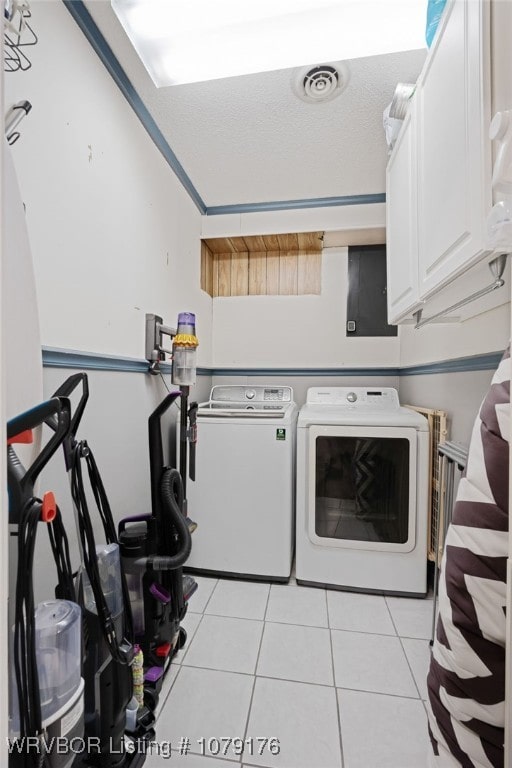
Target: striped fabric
{"points": [[467, 671]]}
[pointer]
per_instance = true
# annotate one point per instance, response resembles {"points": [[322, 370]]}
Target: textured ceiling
{"points": [[250, 139]]}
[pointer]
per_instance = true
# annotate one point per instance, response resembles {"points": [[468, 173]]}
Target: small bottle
{"points": [[131, 715]]}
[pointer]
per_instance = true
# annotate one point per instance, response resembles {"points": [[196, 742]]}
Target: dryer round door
{"points": [[362, 487]]}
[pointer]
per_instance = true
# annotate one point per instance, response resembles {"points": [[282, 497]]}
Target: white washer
{"points": [[362, 490], [244, 492]]}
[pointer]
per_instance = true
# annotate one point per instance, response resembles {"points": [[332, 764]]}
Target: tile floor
{"points": [[338, 678]]}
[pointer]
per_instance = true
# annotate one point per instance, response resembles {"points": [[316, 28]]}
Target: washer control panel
{"points": [[269, 397], [276, 393]]}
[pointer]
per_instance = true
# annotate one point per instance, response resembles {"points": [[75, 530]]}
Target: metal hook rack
{"points": [[497, 267], [18, 35]]}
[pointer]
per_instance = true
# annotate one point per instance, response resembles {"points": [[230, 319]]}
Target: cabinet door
{"points": [[401, 224], [454, 152]]}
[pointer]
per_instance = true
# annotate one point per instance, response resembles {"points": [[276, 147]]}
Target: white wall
{"points": [[459, 394], [488, 332], [297, 331], [113, 233], [299, 220], [283, 331]]}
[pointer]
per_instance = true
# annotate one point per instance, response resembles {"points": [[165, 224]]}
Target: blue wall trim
{"points": [[284, 372], [487, 362], [69, 358], [90, 361], [85, 21], [288, 205]]}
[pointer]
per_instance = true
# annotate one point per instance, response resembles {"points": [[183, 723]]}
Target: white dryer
{"points": [[243, 498], [362, 490]]}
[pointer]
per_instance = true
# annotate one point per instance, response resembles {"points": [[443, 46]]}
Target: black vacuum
{"points": [[108, 650], [46, 701], [155, 547]]}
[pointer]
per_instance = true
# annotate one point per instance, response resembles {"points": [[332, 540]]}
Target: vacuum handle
{"points": [[65, 390], [164, 406], [156, 449], [58, 408], [34, 417], [133, 519], [21, 481], [192, 417]]}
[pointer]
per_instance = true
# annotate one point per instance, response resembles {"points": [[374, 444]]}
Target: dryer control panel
{"points": [[374, 398]]}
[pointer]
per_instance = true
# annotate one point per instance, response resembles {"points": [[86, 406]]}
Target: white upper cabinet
{"points": [[445, 139], [401, 221], [454, 150]]}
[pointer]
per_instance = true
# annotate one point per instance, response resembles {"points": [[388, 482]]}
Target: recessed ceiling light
{"points": [[195, 40]]}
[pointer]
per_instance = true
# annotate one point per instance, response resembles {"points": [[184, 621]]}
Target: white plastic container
{"points": [[58, 638], [109, 568], [58, 653]]}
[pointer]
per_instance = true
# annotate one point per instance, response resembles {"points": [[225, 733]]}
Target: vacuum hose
{"points": [[171, 496]]}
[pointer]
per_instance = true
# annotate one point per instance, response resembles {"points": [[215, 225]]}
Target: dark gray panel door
{"points": [[366, 300]]}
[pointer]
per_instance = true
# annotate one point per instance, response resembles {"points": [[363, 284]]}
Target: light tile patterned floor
{"points": [[337, 678]]}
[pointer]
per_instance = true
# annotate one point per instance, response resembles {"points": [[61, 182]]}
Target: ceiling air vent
{"points": [[321, 83]]}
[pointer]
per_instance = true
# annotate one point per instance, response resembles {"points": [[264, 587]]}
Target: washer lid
{"points": [[241, 410]]}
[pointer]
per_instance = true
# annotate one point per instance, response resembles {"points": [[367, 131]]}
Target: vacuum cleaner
{"points": [[155, 547], [103, 595], [46, 702]]}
